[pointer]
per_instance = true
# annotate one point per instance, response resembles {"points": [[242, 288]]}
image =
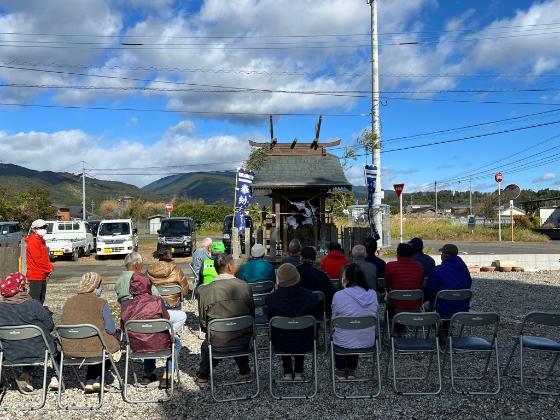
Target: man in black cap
{"points": [[428, 263], [313, 278]]}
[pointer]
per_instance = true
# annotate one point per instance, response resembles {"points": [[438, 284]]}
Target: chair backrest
{"points": [[415, 294], [380, 282], [260, 300], [354, 323], [550, 319], [449, 294], [293, 323], [261, 287], [148, 326], [414, 319], [20, 332], [77, 331], [169, 289], [195, 274], [235, 324]]}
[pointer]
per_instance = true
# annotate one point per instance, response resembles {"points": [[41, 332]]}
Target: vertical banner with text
{"points": [[244, 195]]}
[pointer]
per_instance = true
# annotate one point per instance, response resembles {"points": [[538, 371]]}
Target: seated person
{"points": [[257, 269], [18, 308], [87, 307], [359, 255], [225, 297], [144, 305], [334, 261], [166, 272], [134, 264], [202, 253], [294, 252], [428, 263], [371, 250], [356, 299], [452, 274], [314, 279], [208, 271], [404, 274], [291, 300]]}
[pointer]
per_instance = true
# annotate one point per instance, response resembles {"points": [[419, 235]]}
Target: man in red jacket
{"points": [[334, 261], [404, 274], [39, 266]]}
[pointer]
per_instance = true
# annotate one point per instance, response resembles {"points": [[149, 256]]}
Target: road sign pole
{"points": [[499, 211], [400, 212], [511, 217]]}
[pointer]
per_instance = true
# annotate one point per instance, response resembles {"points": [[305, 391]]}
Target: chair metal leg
{"points": [[506, 367]]}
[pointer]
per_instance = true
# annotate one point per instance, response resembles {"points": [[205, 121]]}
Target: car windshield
{"points": [[114, 228], [4, 229], [175, 227]]}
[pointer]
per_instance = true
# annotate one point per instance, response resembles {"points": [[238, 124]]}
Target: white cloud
{"points": [[546, 177], [183, 127]]}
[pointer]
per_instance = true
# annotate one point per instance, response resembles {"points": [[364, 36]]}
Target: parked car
{"points": [[11, 233], [177, 234], [69, 238], [226, 232], [116, 237]]}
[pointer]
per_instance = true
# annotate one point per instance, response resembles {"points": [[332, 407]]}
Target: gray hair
{"points": [[206, 242], [132, 259], [359, 252], [294, 247]]}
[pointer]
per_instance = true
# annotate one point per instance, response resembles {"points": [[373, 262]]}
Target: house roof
{"points": [[299, 171]]}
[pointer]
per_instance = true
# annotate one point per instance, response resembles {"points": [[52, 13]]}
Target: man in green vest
{"points": [[208, 271]]}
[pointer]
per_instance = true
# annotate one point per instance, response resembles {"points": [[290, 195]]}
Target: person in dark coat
{"points": [[18, 308], [291, 300], [314, 279], [371, 249], [428, 263], [144, 305]]}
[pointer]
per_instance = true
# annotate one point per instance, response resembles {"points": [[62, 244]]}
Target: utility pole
{"points": [[84, 217], [470, 195], [375, 122], [435, 188]]}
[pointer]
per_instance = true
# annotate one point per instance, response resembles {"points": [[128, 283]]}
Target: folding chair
{"points": [[261, 287], [232, 326], [293, 324], [411, 345], [196, 293], [381, 286], [464, 344], [261, 318], [449, 294], [415, 294], [171, 290], [337, 284], [355, 324], [149, 326], [82, 332], [196, 282], [538, 344], [19, 333], [322, 320]]}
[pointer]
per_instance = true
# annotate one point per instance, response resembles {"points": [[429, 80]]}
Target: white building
{"points": [[154, 224], [550, 216]]}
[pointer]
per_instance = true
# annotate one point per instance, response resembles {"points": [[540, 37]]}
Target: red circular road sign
{"points": [[499, 177], [398, 189], [169, 207]]}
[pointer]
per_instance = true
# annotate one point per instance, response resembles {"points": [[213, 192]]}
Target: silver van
{"points": [[11, 233]]}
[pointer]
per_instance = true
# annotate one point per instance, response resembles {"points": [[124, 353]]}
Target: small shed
{"points": [[154, 223]]}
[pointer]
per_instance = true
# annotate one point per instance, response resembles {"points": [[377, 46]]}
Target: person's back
{"points": [[313, 279], [144, 305], [294, 251], [133, 263], [359, 254], [371, 249], [428, 263], [452, 274], [334, 261], [166, 272], [257, 269], [404, 274], [208, 271]]}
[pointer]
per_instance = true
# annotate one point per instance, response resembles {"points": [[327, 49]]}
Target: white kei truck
{"points": [[116, 237], [69, 238]]}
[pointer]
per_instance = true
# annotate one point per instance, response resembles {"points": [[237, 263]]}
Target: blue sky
{"points": [[443, 65]]}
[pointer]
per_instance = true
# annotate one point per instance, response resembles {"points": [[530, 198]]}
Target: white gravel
{"points": [[510, 294]]}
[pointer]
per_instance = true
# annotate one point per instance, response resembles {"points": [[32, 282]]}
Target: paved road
{"points": [[492, 248]]}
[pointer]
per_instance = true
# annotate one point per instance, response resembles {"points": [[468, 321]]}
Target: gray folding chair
{"points": [[337, 284], [261, 319], [261, 287], [149, 326], [356, 324], [464, 344], [413, 345], [537, 344], [449, 294], [196, 281], [19, 333], [171, 290], [293, 324], [196, 293], [410, 295], [322, 320], [232, 326], [81, 332]]}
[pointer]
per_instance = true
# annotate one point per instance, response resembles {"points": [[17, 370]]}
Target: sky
{"points": [[141, 89]]}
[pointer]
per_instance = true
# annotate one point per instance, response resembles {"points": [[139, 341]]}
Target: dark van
{"points": [[177, 234], [226, 230]]}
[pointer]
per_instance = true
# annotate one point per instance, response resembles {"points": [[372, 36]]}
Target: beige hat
{"points": [[287, 275], [257, 251]]}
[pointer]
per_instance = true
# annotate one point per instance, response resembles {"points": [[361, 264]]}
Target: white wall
{"points": [[551, 215]]}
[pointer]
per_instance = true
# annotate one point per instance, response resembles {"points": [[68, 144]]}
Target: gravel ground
{"points": [[510, 294]]}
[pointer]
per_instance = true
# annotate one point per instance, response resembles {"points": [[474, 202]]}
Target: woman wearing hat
{"points": [[87, 307], [39, 266], [256, 269], [18, 308]]}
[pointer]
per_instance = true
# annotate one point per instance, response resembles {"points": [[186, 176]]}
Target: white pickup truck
{"points": [[70, 238], [116, 237]]}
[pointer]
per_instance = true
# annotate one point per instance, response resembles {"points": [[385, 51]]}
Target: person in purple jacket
{"points": [[356, 299]]}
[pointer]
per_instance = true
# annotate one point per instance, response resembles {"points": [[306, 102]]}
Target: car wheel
{"points": [[88, 252], [100, 257], [75, 255]]}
